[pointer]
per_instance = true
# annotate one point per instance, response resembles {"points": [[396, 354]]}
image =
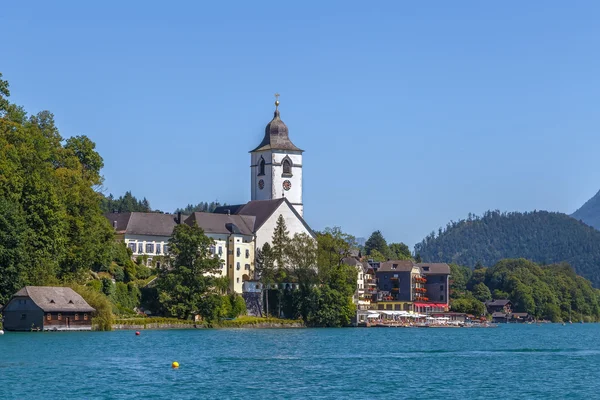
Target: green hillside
{"points": [[541, 236], [590, 212]]}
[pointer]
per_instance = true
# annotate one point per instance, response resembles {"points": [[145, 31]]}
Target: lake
{"points": [[512, 361]]}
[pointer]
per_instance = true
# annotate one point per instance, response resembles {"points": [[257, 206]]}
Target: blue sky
{"points": [[411, 115]]}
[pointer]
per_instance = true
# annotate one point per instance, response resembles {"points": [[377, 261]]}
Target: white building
{"points": [[148, 234]]}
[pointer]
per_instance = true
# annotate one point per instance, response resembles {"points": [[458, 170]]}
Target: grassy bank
{"points": [[174, 323]]}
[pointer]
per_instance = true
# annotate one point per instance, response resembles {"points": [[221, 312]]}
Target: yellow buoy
{"points": [[175, 364]]}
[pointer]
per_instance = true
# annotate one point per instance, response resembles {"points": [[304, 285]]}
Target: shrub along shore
{"points": [[174, 323]]}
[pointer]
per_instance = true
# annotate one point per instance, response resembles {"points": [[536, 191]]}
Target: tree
{"points": [[84, 149], [329, 308], [103, 317], [265, 269], [482, 292], [280, 241], [468, 305], [376, 242], [13, 254], [333, 246], [377, 256], [399, 251], [300, 259], [186, 281]]}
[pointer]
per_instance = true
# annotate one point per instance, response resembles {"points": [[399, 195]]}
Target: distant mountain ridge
{"points": [[540, 236], [590, 212]]}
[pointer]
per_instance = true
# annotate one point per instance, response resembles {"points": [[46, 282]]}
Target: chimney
{"points": [[178, 217], [115, 225], [228, 211]]}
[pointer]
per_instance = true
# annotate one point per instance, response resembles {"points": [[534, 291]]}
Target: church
{"points": [[237, 230], [275, 184]]}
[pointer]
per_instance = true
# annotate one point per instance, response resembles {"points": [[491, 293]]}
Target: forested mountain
{"points": [[129, 203], [552, 292], [125, 203], [541, 236], [590, 212], [200, 207]]}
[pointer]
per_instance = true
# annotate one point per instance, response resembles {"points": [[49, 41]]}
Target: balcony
{"points": [[395, 290], [420, 279]]}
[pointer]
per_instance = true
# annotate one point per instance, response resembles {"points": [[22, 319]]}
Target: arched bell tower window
{"points": [[287, 167], [261, 166]]}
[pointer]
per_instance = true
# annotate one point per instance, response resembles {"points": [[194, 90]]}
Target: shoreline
{"points": [[172, 323]]}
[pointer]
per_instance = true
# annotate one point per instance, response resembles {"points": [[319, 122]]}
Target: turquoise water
{"points": [[510, 362]]}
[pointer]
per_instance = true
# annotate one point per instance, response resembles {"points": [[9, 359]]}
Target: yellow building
{"points": [[234, 244]]}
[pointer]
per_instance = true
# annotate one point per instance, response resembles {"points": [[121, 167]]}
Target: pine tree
{"points": [[281, 240], [376, 242]]}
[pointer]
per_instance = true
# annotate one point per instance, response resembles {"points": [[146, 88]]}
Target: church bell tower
{"points": [[276, 165]]}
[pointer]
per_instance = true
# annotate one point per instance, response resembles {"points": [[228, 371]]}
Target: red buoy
{"points": [[137, 333]]}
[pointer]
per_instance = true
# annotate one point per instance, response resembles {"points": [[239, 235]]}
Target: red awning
{"points": [[431, 305]]}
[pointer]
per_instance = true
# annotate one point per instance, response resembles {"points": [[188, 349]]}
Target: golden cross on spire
{"points": [[276, 100]]}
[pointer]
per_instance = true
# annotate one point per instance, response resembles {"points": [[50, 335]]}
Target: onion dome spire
{"points": [[276, 133]]}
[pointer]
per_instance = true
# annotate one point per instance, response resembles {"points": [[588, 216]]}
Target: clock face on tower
{"points": [[287, 185], [261, 184]]}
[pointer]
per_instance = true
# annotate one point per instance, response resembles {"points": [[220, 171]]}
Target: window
{"points": [[220, 250], [247, 267], [158, 249], [166, 249], [149, 247], [85, 317], [247, 253], [23, 316], [237, 266], [261, 166], [212, 249], [48, 317], [140, 248], [238, 280], [132, 246], [287, 167], [441, 279], [441, 297], [441, 288], [76, 317], [59, 316], [385, 277], [238, 252]]}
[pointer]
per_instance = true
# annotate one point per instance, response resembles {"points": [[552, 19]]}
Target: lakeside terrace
{"points": [[410, 318]]}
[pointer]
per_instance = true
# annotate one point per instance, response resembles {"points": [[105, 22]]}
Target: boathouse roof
{"points": [[55, 299]]}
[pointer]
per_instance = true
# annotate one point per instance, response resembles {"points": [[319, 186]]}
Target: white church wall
{"points": [[294, 225]]}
